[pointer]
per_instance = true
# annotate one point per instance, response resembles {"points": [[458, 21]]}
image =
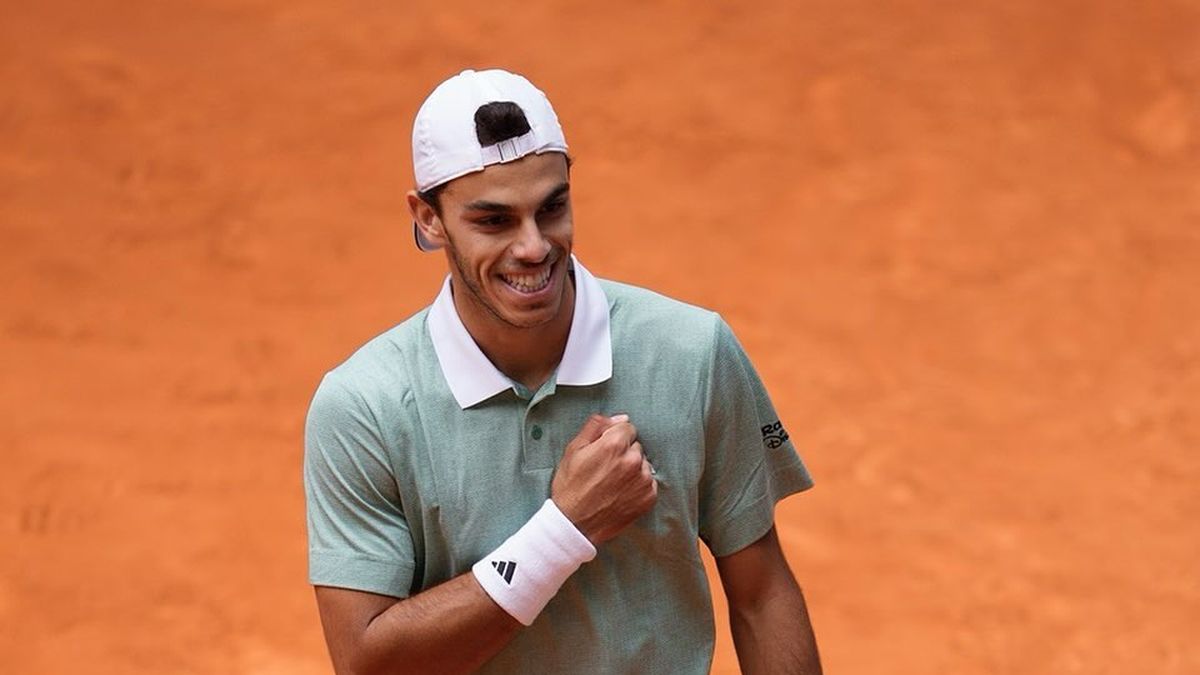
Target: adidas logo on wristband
{"points": [[550, 549], [506, 568]]}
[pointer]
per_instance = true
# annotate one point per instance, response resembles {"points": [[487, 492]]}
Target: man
{"points": [[514, 480]]}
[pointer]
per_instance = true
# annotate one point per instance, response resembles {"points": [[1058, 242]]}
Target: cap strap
{"points": [[509, 149]]}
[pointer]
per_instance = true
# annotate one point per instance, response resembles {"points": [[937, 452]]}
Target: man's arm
{"points": [[452, 628], [767, 614], [602, 484]]}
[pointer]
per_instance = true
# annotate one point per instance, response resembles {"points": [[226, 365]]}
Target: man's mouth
{"points": [[529, 283]]}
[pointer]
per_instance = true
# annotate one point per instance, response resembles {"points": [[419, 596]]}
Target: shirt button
{"points": [[537, 433]]}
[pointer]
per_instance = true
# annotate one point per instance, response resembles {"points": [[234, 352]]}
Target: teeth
{"points": [[528, 283]]}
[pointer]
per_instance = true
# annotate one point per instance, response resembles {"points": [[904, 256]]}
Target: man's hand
{"points": [[604, 482]]}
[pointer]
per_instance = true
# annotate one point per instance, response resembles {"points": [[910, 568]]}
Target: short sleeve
{"points": [[358, 537], [750, 462]]}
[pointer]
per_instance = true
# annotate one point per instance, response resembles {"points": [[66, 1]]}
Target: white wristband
{"points": [[530, 566]]}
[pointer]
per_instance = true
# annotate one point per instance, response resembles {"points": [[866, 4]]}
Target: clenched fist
{"points": [[604, 482]]}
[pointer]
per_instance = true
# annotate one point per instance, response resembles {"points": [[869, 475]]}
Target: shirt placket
{"points": [[540, 445]]}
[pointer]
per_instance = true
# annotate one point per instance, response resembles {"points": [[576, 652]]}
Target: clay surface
{"points": [[961, 242]]}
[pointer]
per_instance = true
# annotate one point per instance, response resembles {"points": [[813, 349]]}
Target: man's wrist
{"points": [[526, 571]]}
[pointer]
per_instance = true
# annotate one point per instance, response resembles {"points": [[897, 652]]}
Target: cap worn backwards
{"points": [[448, 143]]}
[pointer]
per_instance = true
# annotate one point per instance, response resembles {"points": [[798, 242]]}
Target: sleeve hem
{"points": [[359, 574], [753, 521]]}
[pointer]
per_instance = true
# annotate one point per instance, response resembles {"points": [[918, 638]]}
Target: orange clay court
{"points": [[961, 242]]}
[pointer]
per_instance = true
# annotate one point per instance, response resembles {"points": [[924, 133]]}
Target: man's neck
{"points": [[525, 355]]}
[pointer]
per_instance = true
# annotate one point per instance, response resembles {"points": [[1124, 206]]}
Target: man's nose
{"points": [[530, 246]]}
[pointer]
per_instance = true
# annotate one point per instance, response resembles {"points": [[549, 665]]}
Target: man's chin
{"points": [[528, 318], [518, 310], [529, 315]]}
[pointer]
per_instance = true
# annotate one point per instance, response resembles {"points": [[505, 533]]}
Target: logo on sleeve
{"points": [[505, 568], [774, 435]]}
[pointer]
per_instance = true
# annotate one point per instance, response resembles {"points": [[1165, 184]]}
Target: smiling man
{"points": [[516, 478]]}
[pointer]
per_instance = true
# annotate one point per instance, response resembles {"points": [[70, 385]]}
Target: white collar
{"points": [[586, 360]]}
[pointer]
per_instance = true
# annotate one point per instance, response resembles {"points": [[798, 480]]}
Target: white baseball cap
{"points": [[445, 145]]}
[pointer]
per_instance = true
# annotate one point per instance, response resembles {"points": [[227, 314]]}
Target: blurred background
{"points": [[961, 242]]}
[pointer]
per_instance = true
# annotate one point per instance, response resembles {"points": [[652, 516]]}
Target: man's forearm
{"points": [[775, 636], [767, 613], [454, 627]]}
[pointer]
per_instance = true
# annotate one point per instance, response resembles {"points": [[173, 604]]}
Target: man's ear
{"points": [[425, 218]]}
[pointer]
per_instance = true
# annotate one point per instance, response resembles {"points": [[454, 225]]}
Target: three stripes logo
{"points": [[505, 568]]}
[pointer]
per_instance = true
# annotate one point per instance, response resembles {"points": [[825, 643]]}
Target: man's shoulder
{"points": [[384, 362], [649, 316], [637, 302]]}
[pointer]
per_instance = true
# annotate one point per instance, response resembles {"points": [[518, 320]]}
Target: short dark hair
{"points": [[494, 122], [433, 197], [499, 121]]}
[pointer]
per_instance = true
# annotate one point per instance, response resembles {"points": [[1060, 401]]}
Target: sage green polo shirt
{"points": [[421, 458]]}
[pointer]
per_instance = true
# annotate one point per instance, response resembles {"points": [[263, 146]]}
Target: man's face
{"points": [[508, 235]]}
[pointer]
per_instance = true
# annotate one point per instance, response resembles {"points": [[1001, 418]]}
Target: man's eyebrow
{"points": [[557, 192], [497, 207], [484, 205]]}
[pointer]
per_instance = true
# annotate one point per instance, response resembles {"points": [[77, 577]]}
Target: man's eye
{"points": [[492, 221], [554, 207]]}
